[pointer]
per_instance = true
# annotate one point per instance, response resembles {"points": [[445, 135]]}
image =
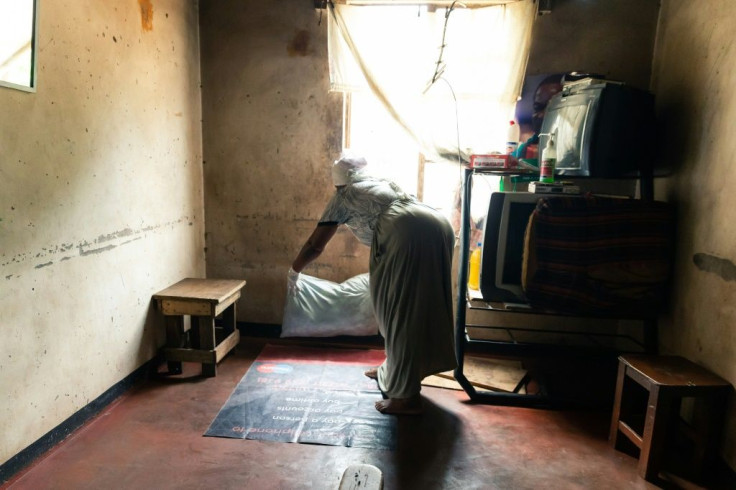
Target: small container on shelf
{"points": [[549, 161], [512, 138], [474, 274]]}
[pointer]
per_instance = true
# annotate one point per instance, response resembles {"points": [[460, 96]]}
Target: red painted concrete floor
{"points": [[151, 438]]}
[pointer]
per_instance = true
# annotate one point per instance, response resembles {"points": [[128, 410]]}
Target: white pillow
{"points": [[320, 308]]}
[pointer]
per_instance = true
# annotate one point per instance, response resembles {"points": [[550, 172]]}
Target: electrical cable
{"points": [[439, 68], [457, 142], [457, 122]]}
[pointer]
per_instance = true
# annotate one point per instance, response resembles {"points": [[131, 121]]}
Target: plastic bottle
{"points": [[549, 160], [474, 274], [512, 138]]}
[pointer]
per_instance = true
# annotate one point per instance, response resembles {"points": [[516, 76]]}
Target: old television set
{"points": [[503, 246], [602, 129]]}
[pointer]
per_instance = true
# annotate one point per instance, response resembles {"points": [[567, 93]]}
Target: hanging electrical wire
{"points": [[439, 65]]}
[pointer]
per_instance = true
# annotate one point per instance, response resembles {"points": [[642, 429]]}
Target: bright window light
{"points": [[16, 30]]}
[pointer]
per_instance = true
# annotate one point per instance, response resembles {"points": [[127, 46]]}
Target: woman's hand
{"points": [[292, 283]]}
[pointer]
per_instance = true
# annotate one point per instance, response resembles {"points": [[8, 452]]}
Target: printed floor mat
{"points": [[308, 395]]}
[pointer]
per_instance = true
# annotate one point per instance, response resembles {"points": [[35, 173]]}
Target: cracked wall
{"points": [[101, 203]]}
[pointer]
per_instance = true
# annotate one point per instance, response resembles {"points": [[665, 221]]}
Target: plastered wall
{"points": [[101, 202], [271, 132], [613, 39], [694, 76]]}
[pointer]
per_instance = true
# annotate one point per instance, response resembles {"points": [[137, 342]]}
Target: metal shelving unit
{"points": [[518, 341]]}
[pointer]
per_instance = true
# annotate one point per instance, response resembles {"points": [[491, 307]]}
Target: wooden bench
{"points": [[201, 301], [653, 425]]}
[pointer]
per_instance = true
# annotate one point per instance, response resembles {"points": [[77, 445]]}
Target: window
{"points": [[18, 21], [393, 154], [425, 87]]}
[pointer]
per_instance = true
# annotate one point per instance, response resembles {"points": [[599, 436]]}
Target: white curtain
{"points": [[453, 98]]}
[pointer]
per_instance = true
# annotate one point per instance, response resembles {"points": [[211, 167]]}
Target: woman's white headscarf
{"points": [[345, 166]]}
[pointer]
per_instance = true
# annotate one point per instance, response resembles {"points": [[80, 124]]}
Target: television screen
{"points": [[503, 245], [519, 213], [602, 129], [567, 120]]}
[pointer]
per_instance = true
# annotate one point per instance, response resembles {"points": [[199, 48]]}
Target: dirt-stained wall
{"points": [[613, 39], [694, 77], [100, 203], [271, 131]]}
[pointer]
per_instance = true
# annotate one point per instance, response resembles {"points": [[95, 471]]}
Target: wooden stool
{"points": [[202, 300], [668, 379]]}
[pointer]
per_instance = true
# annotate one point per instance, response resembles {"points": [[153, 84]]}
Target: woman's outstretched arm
{"points": [[314, 246]]}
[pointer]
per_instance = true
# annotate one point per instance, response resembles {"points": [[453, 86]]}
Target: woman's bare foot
{"points": [[372, 373], [401, 406]]}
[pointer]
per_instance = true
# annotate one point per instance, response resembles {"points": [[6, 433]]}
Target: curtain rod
{"points": [[320, 4]]}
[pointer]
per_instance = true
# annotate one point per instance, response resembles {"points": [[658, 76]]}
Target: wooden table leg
{"points": [[207, 343], [228, 319], [708, 422], [175, 339], [617, 413], [659, 409]]}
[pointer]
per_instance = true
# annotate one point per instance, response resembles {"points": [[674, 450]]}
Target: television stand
{"points": [[503, 330]]}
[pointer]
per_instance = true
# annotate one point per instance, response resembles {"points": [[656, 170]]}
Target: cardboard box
{"points": [[497, 161]]}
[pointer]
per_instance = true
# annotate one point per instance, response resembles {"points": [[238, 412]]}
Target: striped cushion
{"points": [[599, 256]]}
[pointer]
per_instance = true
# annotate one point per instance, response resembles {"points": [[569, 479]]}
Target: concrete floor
{"points": [[151, 437]]}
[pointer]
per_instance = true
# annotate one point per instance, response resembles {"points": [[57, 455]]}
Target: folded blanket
{"points": [[598, 255]]}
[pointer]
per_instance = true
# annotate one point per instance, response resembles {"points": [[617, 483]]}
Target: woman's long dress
{"points": [[410, 279]]}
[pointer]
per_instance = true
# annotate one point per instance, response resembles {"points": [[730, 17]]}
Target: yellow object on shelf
{"points": [[474, 274]]}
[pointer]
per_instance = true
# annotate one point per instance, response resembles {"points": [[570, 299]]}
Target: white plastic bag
{"points": [[320, 308]]}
